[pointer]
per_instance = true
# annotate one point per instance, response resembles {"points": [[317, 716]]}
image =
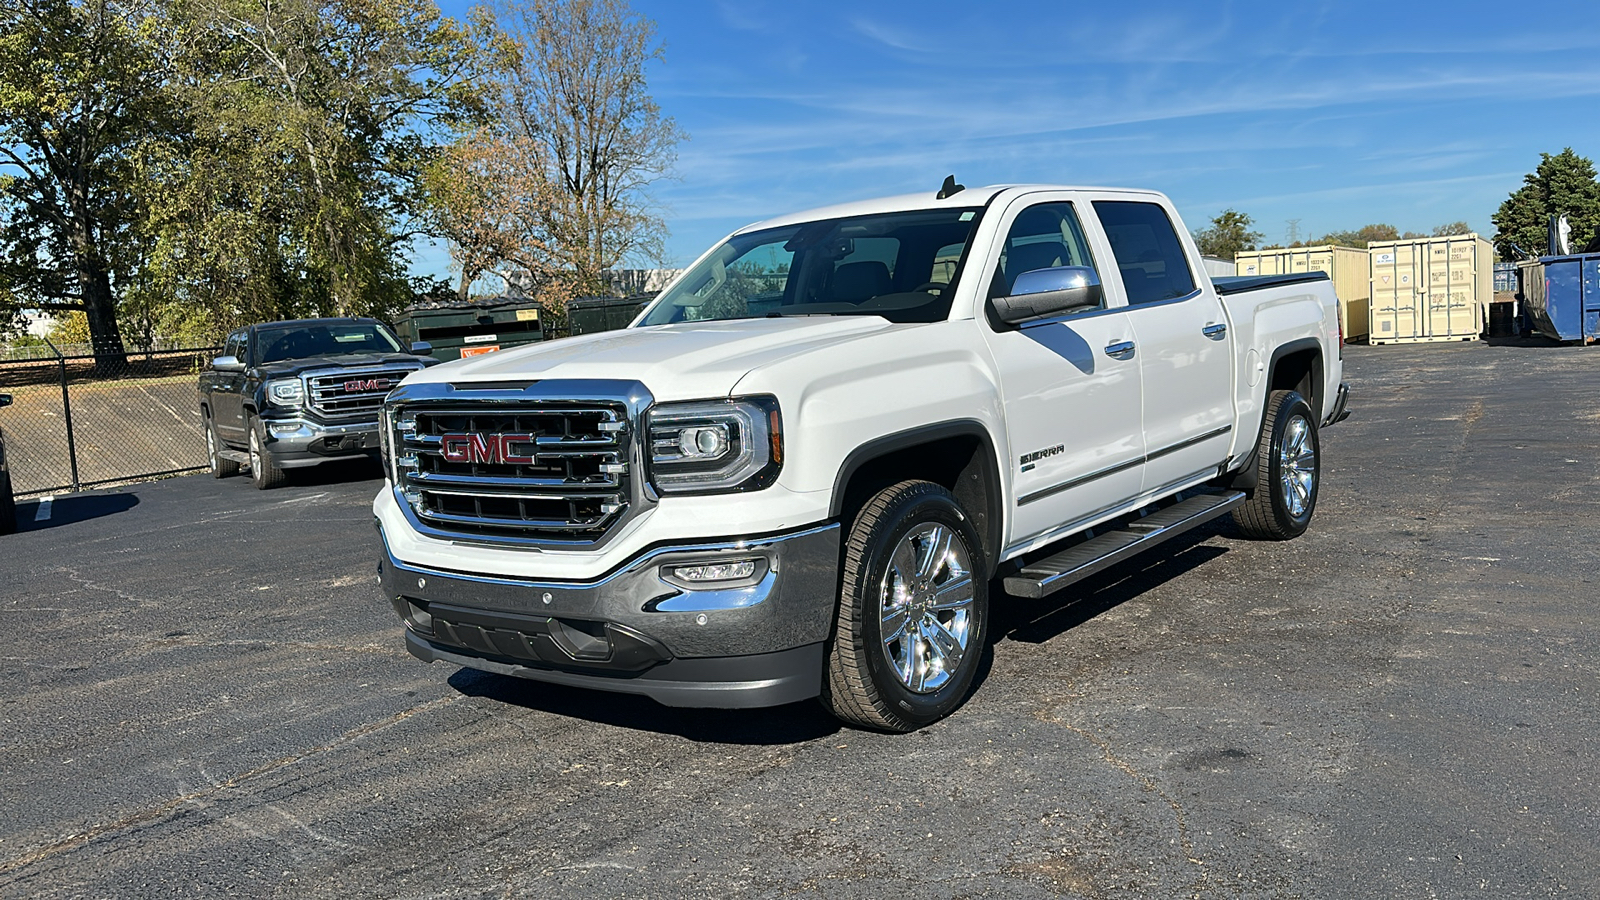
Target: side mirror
{"points": [[227, 364], [5, 400], [421, 348], [1055, 291]]}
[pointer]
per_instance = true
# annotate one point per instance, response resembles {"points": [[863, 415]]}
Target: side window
{"points": [[1148, 253], [1041, 237], [234, 347]]}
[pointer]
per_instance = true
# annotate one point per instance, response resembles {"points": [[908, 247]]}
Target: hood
{"points": [[685, 361], [341, 361]]}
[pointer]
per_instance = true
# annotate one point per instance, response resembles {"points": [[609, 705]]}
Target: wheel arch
{"points": [[958, 455], [1294, 366]]}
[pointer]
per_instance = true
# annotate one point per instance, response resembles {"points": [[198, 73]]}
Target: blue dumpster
{"points": [[1561, 296]]}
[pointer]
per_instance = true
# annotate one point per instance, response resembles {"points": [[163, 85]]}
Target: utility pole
{"points": [[1294, 231]]}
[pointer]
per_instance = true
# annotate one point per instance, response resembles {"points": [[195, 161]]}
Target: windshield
{"points": [[300, 341], [901, 266]]}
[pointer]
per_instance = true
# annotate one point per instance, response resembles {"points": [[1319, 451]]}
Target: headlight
{"points": [[712, 446], [288, 392]]}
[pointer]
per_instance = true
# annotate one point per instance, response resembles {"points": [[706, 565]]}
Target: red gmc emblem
{"points": [[371, 384], [488, 448]]}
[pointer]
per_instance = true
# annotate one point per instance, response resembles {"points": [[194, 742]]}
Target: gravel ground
{"points": [[202, 694]]}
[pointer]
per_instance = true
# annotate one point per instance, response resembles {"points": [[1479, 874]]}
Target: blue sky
{"points": [[1335, 114]]}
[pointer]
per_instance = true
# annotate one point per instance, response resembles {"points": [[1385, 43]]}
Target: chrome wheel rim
{"points": [[255, 455], [925, 607], [211, 447], [1297, 466]]}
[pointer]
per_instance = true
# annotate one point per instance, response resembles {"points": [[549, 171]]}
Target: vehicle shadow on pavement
{"points": [[339, 472], [71, 509], [792, 724], [1040, 621]]}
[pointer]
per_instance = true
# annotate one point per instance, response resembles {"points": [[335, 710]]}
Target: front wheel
{"points": [[263, 473], [1288, 471], [913, 611]]}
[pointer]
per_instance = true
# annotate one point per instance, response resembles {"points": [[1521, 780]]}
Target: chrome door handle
{"points": [[1120, 350], [1215, 331]]}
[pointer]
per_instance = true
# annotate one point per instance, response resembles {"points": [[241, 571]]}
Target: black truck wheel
{"points": [[263, 474], [8, 505], [1288, 471], [220, 468], [913, 611]]}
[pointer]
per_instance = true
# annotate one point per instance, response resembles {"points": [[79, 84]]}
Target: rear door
{"points": [[1184, 350], [1071, 384]]}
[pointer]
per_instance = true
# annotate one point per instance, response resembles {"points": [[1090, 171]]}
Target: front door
{"points": [[1071, 385]]}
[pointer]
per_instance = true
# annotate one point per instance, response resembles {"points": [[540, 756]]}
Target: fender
{"points": [[983, 471], [1245, 479]]}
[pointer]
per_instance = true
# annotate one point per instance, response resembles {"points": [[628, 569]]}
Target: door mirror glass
{"points": [[421, 348], [1055, 291], [5, 400], [227, 364]]}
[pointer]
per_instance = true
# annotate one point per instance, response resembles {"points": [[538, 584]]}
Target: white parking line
{"points": [[43, 515]]}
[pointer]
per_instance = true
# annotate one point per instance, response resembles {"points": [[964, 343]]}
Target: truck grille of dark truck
{"points": [[353, 393], [574, 491]]}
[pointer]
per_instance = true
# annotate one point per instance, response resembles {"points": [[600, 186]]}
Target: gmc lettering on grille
{"points": [[487, 448], [370, 384]]}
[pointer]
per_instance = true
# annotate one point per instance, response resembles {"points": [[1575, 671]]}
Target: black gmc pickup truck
{"points": [[284, 395]]}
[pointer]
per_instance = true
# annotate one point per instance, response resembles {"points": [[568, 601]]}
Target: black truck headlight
{"points": [[286, 392], [715, 446]]}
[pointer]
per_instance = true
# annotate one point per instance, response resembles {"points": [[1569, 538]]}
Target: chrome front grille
{"points": [[557, 472], [353, 393]]}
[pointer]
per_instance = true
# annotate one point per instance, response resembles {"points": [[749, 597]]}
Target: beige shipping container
{"points": [[1430, 289], [1346, 267]]}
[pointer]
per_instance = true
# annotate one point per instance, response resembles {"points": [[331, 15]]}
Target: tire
{"points": [[8, 505], [263, 474], [906, 682], [220, 468], [1288, 471]]}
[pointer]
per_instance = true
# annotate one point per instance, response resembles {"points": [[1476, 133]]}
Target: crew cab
{"points": [[285, 395], [799, 472]]}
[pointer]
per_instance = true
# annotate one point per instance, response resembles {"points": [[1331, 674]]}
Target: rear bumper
{"points": [[756, 642], [1339, 413]]}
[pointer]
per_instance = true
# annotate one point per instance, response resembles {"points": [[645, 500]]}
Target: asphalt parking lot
{"points": [[202, 694]]}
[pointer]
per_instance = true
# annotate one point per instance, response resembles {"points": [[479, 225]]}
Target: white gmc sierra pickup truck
{"points": [[801, 468]]}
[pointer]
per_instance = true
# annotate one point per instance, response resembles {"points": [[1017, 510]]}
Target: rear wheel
{"points": [[913, 611], [1288, 471], [263, 474], [220, 468]]}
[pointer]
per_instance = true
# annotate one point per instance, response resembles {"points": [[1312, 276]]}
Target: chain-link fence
{"points": [[82, 421]]}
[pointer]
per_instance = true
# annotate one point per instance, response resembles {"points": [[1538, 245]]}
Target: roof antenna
{"points": [[950, 188]]}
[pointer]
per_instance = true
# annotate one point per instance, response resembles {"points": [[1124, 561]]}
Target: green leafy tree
{"points": [[1451, 229], [81, 91], [1361, 237], [1228, 234], [1563, 184], [308, 123]]}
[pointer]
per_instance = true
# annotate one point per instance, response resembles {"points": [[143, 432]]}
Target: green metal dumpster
{"points": [[587, 315], [475, 328]]}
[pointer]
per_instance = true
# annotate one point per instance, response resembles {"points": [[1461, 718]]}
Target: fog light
{"points": [[709, 572]]}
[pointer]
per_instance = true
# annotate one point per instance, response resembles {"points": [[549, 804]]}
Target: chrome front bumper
{"points": [[754, 642], [299, 442]]}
